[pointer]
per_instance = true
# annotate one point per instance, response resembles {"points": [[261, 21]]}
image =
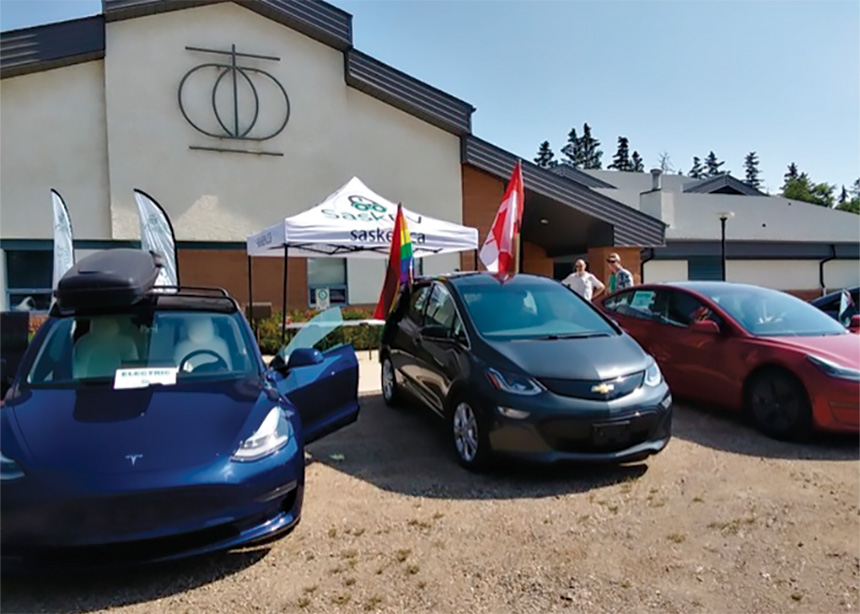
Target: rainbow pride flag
{"points": [[400, 263]]}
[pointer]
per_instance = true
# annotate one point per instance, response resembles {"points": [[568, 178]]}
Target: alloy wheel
{"points": [[388, 380], [465, 432]]}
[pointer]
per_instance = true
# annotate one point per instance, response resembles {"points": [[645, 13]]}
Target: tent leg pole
{"points": [[251, 296], [284, 298], [476, 260]]}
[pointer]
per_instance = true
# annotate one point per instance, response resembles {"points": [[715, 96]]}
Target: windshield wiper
{"points": [[571, 336]]}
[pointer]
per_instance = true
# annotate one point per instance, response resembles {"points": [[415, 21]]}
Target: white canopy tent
{"points": [[356, 222]]}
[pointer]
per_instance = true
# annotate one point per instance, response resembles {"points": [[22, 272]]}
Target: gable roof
{"points": [[722, 184], [631, 227], [51, 46], [82, 40]]}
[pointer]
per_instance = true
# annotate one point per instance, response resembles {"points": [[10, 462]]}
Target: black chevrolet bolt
{"points": [[526, 368]]}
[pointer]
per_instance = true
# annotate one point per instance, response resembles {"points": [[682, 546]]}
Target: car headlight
{"points": [[271, 436], [9, 469], [653, 377], [513, 383], [834, 370]]}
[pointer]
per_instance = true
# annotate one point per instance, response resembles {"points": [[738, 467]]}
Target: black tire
{"points": [[392, 394], [469, 439], [778, 405]]}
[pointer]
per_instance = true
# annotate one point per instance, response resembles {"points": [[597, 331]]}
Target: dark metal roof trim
{"points": [[51, 46], [631, 227], [757, 250], [408, 93], [712, 184], [574, 174], [314, 18]]}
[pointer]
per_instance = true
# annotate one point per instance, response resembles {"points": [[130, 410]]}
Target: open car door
{"points": [[319, 376]]}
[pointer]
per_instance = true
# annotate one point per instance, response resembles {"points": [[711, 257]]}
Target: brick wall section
{"points": [[229, 270], [482, 195], [630, 260]]}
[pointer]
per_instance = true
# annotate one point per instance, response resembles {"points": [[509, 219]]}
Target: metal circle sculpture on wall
{"points": [[236, 74]]}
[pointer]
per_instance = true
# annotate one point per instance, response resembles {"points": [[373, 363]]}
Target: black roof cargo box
{"points": [[110, 278]]}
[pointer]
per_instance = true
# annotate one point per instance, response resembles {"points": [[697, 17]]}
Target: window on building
{"points": [[327, 273], [28, 279], [704, 268]]}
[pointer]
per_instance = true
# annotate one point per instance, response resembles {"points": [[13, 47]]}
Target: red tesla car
{"points": [[789, 365]]}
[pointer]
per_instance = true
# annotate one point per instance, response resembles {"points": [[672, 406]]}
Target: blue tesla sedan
{"points": [[143, 424]]}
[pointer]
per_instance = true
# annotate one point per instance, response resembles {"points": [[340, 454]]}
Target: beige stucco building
{"points": [[234, 115]]}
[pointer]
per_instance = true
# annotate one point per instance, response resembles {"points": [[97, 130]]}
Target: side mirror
{"points": [[705, 326], [436, 332], [304, 357], [277, 363], [854, 323]]}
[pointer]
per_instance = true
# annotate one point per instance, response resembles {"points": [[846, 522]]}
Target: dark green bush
{"points": [[361, 337]]}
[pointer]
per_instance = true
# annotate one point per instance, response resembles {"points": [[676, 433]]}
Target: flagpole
{"points": [[517, 253]]}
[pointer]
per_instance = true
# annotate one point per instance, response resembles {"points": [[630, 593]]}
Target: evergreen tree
{"points": [[843, 196], [713, 165], [803, 189], [752, 172], [545, 156], [697, 172], [791, 174], [851, 205], [621, 161], [638, 163], [573, 150], [591, 154]]}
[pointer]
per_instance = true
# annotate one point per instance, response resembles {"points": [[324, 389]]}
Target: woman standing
{"points": [[583, 283]]}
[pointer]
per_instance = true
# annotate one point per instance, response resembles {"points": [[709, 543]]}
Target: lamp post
{"points": [[723, 215]]}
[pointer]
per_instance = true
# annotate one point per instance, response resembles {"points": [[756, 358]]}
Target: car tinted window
{"points": [[507, 311], [194, 344], [772, 313], [683, 309], [416, 305]]}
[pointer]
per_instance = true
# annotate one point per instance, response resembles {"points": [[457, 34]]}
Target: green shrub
{"points": [[361, 337]]}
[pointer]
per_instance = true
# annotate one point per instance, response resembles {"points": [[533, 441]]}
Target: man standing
{"points": [[620, 278], [583, 283]]}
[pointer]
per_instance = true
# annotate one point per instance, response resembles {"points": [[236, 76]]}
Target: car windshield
{"points": [[139, 348], [768, 313], [531, 310]]}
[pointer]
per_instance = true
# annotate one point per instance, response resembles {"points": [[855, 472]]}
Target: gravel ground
{"points": [[724, 520]]}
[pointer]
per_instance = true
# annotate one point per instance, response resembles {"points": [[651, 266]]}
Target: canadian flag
{"points": [[497, 254]]}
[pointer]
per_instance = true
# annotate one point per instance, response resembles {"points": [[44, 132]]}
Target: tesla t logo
{"points": [[246, 103], [133, 458], [603, 388]]}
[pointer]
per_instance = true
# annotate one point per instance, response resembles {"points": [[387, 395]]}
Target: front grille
{"points": [[141, 550], [117, 516], [587, 435], [585, 389]]}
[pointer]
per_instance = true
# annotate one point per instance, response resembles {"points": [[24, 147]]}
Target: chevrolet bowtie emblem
{"points": [[603, 388]]}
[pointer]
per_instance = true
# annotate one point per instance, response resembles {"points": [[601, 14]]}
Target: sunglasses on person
{"points": [[612, 261]]}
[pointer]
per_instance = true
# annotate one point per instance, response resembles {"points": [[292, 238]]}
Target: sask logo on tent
{"points": [[363, 209], [382, 235]]}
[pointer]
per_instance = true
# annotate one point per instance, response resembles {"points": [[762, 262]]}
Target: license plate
{"points": [[613, 432]]}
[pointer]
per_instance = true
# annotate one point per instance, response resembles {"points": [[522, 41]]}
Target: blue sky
{"points": [[781, 78]]}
